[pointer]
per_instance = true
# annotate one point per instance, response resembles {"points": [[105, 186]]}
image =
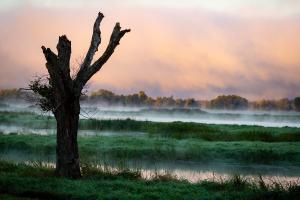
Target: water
{"points": [[182, 170]]}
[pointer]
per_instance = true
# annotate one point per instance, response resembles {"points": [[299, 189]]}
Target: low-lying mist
{"points": [[171, 114]]}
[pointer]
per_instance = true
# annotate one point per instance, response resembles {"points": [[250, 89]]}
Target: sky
{"points": [[191, 48]]}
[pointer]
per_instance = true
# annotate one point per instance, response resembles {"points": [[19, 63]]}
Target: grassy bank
{"points": [[158, 149], [177, 130], [23, 181]]}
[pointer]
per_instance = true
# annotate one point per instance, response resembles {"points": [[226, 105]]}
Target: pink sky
{"points": [[194, 49]]}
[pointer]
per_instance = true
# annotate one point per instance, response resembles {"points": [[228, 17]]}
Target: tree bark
{"points": [[67, 156]]}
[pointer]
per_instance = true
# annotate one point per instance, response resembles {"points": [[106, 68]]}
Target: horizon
{"points": [[199, 49], [89, 93]]}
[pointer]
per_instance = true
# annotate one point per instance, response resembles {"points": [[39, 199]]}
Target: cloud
{"points": [[13, 74], [170, 51]]}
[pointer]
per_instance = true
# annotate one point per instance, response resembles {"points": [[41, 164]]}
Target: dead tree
{"points": [[61, 93]]}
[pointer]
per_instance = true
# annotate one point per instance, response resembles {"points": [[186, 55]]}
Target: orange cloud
{"points": [[179, 51]]}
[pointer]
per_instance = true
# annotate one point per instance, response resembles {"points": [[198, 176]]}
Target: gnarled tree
{"points": [[61, 93]]}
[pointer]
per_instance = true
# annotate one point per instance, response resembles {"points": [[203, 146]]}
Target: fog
{"points": [[208, 117], [24, 130], [246, 117]]}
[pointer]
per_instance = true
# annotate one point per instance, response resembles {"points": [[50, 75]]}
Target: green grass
{"points": [[159, 149], [20, 181], [177, 130]]}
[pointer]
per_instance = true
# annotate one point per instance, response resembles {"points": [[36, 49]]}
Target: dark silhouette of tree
{"points": [[297, 103], [231, 102], [61, 93], [191, 102], [284, 104]]}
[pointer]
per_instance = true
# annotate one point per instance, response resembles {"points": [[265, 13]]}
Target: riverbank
{"points": [[30, 182]]}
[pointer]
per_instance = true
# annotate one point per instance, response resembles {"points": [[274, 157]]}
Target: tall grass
{"points": [[157, 149]]}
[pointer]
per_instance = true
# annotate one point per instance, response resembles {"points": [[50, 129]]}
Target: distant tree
{"points": [[61, 94], [191, 102], [143, 97], [179, 102], [165, 101], [150, 101], [104, 95], [158, 101], [169, 101], [9, 93], [297, 103], [266, 105], [15, 94], [231, 102], [284, 104]]}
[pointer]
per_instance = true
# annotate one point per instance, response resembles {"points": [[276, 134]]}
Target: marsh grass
{"points": [[176, 130], [106, 172], [166, 176], [156, 149], [39, 182]]}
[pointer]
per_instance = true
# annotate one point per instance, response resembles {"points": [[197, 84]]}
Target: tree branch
{"points": [[87, 71], [64, 55], [59, 66], [95, 42], [52, 66], [51, 63], [115, 38]]}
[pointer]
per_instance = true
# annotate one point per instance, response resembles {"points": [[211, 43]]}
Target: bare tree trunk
{"points": [[67, 157], [66, 91]]}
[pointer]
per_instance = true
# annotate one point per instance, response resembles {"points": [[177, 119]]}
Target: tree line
{"points": [[140, 99], [228, 102]]}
